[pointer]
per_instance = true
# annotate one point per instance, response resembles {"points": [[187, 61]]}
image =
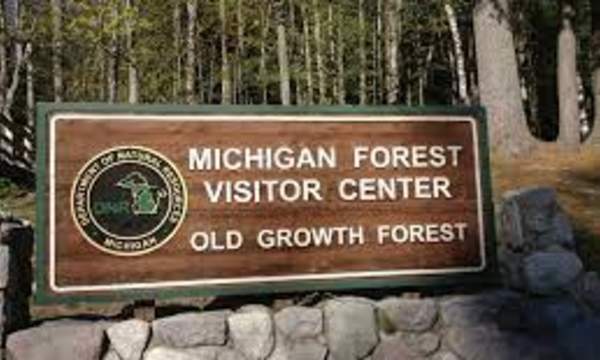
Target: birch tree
{"points": [[362, 54], [225, 67], [282, 54], [57, 49], [133, 81], [459, 56], [308, 70], [319, 53], [190, 67]]}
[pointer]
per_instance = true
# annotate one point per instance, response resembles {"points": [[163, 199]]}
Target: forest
{"points": [[533, 64]]}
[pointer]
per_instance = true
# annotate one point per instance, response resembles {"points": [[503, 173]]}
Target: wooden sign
{"points": [[160, 201]]}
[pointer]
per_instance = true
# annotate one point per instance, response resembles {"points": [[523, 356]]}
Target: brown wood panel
{"points": [[78, 263]]}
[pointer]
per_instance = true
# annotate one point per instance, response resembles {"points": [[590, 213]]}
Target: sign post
{"points": [[153, 201]]}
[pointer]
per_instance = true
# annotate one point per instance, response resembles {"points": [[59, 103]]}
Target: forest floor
{"points": [[575, 176]]}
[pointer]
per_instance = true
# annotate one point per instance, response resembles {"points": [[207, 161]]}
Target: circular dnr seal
{"points": [[128, 200]]}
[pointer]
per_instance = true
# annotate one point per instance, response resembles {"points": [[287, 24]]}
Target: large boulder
{"points": [[550, 272], [350, 328], [531, 219], [64, 339]]}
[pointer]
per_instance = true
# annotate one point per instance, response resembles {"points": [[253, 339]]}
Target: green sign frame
{"points": [[489, 276]]}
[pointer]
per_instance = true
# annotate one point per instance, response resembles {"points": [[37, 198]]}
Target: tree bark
{"points": [[569, 127], [499, 79], [282, 56], [391, 47], [595, 49], [341, 73], [57, 49], [132, 64], [190, 67], [362, 54], [225, 67], [177, 41], [265, 13], [241, 53], [459, 56], [307, 58], [113, 62], [332, 55], [319, 53]]}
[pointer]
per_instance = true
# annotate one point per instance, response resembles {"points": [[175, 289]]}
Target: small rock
{"points": [[200, 353], [350, 328], [252, 334], [298, 322], [191, 329], [65, 340], [408, 314], [394, 348], [550, 272], [129, 338], [424, 344], [581, 341]]}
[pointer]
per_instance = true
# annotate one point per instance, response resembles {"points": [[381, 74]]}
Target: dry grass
{"points": [[576, 178]]}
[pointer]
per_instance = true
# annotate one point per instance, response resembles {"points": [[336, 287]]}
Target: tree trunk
{"points": [[30, 92], [132, 66], [341, 73], [595, 47], [265, 13], [362, 54], [498, 77], [391, 46], [459, 56], [190, 67], [307, 57], [225, 69], [57, 49], [319, 53], [569, 127], [282, 56], [378, 83], [241, 53], [113, 62], [177, 41], [332, 57]]}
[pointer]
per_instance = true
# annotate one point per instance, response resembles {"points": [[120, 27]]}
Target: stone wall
{"points": [[548, 309]]}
